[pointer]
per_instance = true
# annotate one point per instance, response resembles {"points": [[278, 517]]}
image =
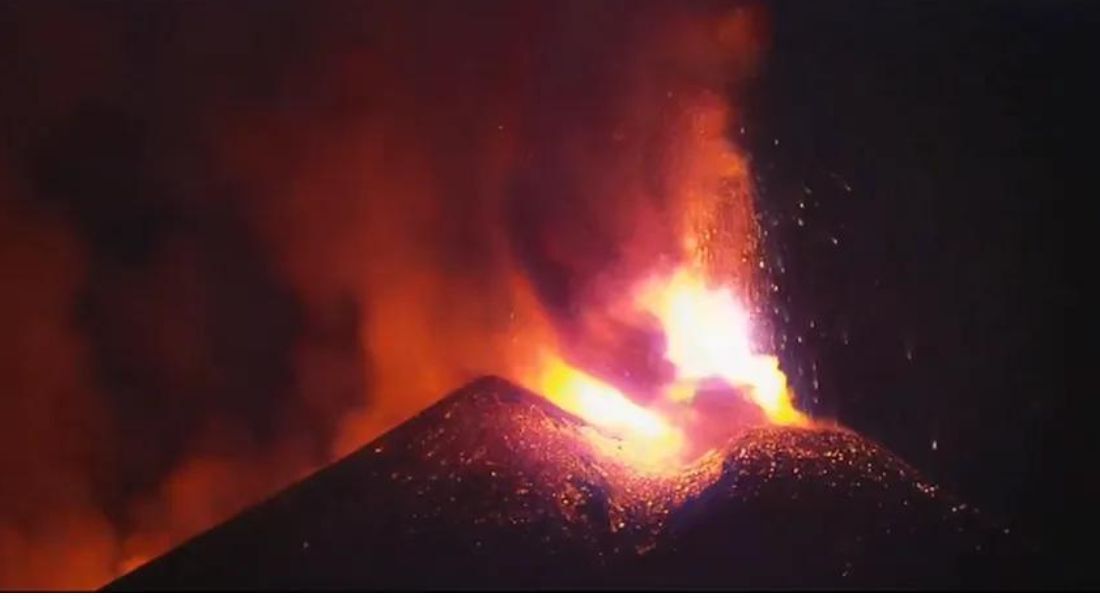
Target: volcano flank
{"points": [[496, 488]]}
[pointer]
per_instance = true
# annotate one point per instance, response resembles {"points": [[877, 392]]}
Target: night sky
{"points": [[178, 315], [930, 145]]}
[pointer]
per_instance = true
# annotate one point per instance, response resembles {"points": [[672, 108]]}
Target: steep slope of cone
{"points": [[496, 488]]}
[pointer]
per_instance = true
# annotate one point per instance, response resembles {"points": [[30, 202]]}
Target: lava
{"points": [[708, 337], [644, 436]]}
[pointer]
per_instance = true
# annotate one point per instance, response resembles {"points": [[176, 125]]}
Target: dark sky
{"points": [[927, 149]]}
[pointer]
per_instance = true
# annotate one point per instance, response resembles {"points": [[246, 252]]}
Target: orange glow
{"points": [[419, 243]]}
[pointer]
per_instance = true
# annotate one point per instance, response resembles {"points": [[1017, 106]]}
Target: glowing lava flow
{"points": [[708, 337], [642, 436]]}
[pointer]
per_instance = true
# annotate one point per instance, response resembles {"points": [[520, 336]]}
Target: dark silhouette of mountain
{"points": [[495, 488]]}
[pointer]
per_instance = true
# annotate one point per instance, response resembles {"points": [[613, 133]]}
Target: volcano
{"points": [[494, 487]]}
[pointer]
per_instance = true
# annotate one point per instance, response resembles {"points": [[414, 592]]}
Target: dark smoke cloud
{"points": [[145, 327], [242, 238]]}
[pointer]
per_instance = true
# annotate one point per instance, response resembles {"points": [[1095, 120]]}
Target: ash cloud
{"points": [[242, 239]]}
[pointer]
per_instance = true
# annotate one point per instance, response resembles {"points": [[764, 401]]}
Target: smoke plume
{"points": [[240, 240]]}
